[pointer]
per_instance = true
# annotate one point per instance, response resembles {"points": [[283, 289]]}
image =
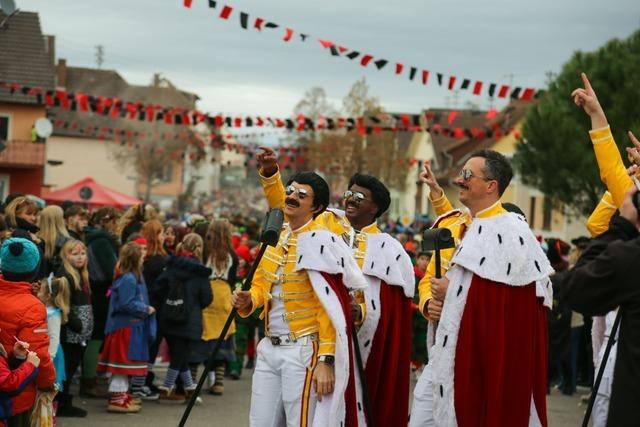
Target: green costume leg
{"points": [[90, 360]]}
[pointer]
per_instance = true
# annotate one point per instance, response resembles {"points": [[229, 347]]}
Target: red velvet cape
{"points": [[387, 372], [501, 356], [351, 407]]}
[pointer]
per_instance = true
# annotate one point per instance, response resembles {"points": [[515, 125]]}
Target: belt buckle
{"points": [[275, 340]]}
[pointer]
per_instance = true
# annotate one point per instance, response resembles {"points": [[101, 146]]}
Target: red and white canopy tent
{"points": [[88, 191]]}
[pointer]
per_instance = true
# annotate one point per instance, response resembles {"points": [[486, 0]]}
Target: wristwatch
{"points": [[329, 360]]}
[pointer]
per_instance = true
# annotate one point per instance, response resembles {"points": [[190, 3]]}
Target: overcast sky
{"points": [[239, 71]]}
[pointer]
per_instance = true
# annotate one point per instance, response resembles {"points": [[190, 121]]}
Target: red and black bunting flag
{"points": [[288, 34], [528, 94], [492, 89], [380, 63], [116, 108], [412, 73], [226, 12], [365, 60], [477, 88], [452, 82], [244, 19], [425, 77], [337, 50]]}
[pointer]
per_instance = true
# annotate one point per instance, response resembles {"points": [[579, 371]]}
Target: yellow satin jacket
{"points": [[613, 175], [457, 221], [304, 314], [275, 192]]}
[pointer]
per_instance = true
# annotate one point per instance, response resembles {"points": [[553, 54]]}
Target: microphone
{"points": [[272, 226]]}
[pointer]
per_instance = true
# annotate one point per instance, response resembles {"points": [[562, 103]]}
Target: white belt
{"points": [[280, 340]]}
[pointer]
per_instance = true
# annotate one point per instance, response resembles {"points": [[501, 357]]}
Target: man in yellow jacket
{"points": [[307, 338], [497, 259], [383, 308]]}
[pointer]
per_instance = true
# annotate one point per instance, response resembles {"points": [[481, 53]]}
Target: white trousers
{"points": [[282, 392], [422, 407], [601, 403]]}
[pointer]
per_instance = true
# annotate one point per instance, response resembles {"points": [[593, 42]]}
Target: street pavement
{"points": [[232, 410]]}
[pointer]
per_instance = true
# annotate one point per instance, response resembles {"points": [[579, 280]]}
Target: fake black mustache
{"points": [[292, 202], [461, 186], [351, 203]]}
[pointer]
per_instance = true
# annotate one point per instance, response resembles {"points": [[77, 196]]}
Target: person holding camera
{"points": [[606, 278]]}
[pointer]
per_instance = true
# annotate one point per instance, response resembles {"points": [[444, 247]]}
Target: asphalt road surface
{"points": [[232, 409]]}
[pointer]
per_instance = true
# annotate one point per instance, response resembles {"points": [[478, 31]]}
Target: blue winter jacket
{"points": [[128, 307]]}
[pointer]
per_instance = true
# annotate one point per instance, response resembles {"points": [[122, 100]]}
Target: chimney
{"points": [[51, 49], [156, 80], [61, 72]]}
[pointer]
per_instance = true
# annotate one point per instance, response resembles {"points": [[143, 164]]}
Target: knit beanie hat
{"points": [[19, 259]]}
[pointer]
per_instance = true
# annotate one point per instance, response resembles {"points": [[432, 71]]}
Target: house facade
{"points": [[452, 152], [26, 62], [138, 158]]}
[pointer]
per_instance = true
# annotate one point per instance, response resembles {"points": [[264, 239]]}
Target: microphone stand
{"points": [[266, 242], [365, 395]]}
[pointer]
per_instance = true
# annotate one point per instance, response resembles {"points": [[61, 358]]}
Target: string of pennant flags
{"points": [[413, 73], [289, 157], [115, 108]]}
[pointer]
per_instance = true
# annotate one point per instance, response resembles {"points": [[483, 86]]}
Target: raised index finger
{"points": [[586, 82], [266, 150], [633, 139]]}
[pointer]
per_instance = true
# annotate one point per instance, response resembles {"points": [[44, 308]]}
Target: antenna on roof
{"points": [[99, 55], [8, 7]]}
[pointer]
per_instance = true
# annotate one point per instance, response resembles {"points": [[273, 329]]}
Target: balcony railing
{"points": [[22, 154]]}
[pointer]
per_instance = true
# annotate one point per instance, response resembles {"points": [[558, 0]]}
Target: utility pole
{"points": [[550, 77], [99, 55], [455, 99]]}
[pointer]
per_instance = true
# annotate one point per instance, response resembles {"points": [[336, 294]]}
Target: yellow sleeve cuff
{"points": [[439, 201], [327, 348], [249, 311], [600, 135], [269, 179]]}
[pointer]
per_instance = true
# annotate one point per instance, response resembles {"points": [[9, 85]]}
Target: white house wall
{"points": [[85, 158]]}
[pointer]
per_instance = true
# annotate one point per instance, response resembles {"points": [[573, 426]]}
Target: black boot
{"points": [[66, 408], [149, 382]]}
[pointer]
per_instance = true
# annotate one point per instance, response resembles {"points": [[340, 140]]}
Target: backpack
{"points": [[95, 271], [175, 309]]}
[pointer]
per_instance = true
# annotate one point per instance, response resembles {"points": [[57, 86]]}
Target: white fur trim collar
{"points": [[386, 259], [321, 250], [503, 249]]}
